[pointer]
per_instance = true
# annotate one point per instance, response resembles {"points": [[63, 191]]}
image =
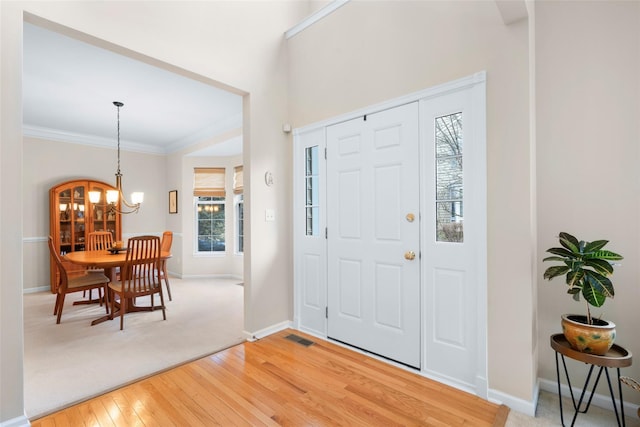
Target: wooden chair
{"points": [[74, 282], [98, 241], [165, 246], [139, 276]]}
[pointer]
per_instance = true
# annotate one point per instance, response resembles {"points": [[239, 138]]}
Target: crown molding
{"points": [[90, 140], [209, 132], [315, 17]]}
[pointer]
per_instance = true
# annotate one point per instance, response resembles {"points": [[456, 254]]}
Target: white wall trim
{"points": [[34, 239], [253, 336], [89, 140], [315, 17], [43, 239], [515, 403], [36, 290], [22, 421], [206, 276]]}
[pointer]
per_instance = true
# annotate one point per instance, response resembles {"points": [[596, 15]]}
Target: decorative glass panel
{"points": [[449, 185], [312, 192]]}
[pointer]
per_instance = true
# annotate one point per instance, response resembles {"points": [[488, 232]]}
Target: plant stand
{"points": [[617, 357]]}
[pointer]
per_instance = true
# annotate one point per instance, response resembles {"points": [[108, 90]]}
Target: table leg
{"points": [[613, 401], [577, 406]]}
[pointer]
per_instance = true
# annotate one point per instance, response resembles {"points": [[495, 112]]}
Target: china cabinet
{"points": [[72, 217]]}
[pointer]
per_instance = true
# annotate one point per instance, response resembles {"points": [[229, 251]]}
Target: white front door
{"points": [[373, 181]]}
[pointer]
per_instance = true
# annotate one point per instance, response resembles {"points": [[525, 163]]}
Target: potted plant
{"points": [[586, 267]]}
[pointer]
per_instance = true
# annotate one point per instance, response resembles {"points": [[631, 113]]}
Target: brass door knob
{"points": [[410, 255], [410, 217]]}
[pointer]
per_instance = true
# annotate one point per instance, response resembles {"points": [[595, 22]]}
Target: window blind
{"points": [[238, 185], [209, 182]]}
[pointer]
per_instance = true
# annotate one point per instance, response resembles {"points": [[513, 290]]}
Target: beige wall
{"points": [[588, 132], [368, 52], [237, 43]]}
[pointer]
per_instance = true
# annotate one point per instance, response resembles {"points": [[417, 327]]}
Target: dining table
{"points": [[109, 261]]}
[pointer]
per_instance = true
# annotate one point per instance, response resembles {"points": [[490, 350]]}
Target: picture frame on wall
{"points": [[173, 201]]}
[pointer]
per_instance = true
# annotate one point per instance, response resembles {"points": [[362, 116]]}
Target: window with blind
{"points": [[209, 195], [238, 189]]}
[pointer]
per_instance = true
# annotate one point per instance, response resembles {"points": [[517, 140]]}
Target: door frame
{"points": [[310, 287]]}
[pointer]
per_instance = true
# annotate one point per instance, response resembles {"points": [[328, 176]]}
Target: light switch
{"points": [[269, 215]]}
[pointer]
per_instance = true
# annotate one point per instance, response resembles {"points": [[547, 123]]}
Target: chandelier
{"points": [[114, 195]]}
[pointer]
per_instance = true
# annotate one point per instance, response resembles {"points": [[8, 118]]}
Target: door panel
{"points": [[450, 240], [373, 290], [309, 227]]}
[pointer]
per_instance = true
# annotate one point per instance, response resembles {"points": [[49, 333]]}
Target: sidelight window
{"points": [[312, 191], [449, 174]]}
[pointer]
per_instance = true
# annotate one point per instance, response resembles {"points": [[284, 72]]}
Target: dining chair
{"points": [[165, 246], [139, 276], [98, 241], [69, 282]]}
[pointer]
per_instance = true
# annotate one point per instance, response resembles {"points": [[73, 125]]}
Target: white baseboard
{"points": [[515, 403], [22, 421], [205, 276], [600, 400], [253, 336], [35, 290]]}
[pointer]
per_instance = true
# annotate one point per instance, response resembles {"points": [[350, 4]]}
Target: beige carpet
{"points": [[548, 415], [73, 361]]}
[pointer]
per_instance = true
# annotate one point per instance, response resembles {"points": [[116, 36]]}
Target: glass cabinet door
{"points": [[65, 207], [77, 211], [71, 217]]}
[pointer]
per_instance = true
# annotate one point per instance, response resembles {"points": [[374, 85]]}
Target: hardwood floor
{"points": [[277, 381]]}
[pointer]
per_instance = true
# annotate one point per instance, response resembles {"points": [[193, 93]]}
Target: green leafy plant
{"points": [[585, 266]]}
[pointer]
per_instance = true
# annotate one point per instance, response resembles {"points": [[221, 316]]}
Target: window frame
{"points": [[238, 200], [196, 204]]}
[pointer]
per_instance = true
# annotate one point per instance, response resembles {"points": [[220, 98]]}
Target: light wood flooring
{"points": [[278, 381]]}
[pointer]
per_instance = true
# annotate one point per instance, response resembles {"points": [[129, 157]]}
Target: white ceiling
{"points": [[69, 87]]}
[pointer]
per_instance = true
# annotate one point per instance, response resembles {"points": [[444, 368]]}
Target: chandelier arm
{"points": [[113, 208]]}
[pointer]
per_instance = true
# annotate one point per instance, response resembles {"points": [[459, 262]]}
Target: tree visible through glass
{"points": [[449, 185]]}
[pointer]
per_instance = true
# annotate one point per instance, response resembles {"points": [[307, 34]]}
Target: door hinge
{"points": [[326, 233], [326, 312], [325, 153]]}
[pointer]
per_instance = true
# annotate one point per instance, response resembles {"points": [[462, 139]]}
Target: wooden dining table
{"points": [[108, 261]]}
